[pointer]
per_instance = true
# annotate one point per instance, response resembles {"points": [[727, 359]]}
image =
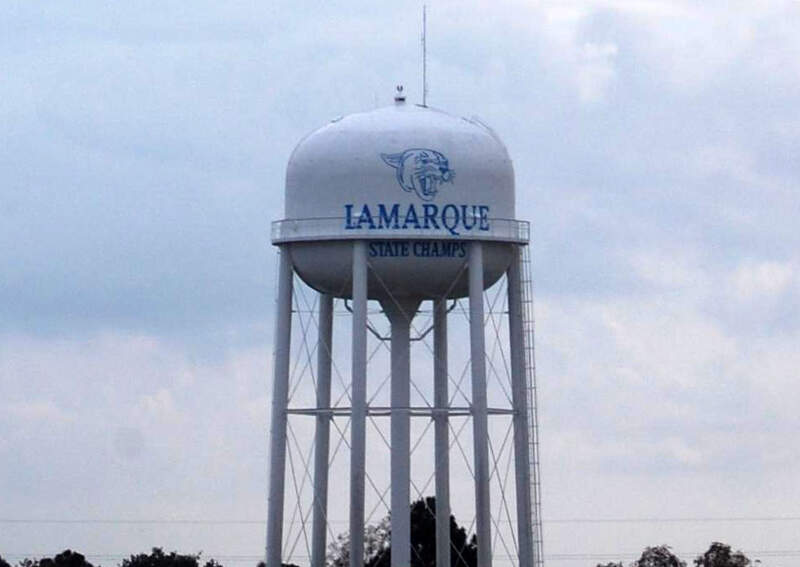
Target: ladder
{"points": [[533, 425]]}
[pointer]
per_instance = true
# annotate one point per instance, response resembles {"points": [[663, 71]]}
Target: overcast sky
{"points": [[143, 155]]}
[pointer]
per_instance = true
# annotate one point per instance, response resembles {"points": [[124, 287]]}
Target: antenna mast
{"points": [[424, 57]]}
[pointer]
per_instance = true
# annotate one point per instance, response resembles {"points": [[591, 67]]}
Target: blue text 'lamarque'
{"points": [[452, 218]]}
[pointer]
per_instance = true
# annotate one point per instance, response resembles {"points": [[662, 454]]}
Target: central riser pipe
{"points": [[358, 430], [400, 314], [441, 431], [480, 415], [323, 432]]}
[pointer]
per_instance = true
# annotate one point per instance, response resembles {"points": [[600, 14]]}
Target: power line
{"points": [[577, 520], [654, 520], [575, 556], [96, 556], [126, 521]]}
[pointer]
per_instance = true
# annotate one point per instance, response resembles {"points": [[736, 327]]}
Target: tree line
{"points": [[378, 550], [156, 558], [717, 555]]}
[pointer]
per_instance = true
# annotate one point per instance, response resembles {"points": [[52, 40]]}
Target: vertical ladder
{"points": [[533, 425]]}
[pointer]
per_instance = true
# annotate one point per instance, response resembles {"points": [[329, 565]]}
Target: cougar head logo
{"points": [[420, 170]]}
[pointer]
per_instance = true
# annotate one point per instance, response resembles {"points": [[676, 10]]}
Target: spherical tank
{"points": [[417, 184]]}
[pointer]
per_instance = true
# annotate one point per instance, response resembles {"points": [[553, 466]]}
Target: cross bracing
{"points": [[303, 410]]}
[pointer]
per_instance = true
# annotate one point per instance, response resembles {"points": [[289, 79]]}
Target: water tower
{"points": [[403, 208]]}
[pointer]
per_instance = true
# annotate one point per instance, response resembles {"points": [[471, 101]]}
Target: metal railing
{"points": [[335, 228]]}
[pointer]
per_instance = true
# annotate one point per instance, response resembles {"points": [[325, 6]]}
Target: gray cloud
{"points": [[143, 158]]}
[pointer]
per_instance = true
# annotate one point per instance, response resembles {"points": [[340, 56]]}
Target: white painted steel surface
{"points": [[341, 163], [418, 183]]}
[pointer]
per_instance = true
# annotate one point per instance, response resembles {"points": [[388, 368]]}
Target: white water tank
{"points": [[418, 184]]}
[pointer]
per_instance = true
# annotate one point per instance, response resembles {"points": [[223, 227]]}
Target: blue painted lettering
{"points": [[450, 221], [389, 248], [388, 219], [473, 216], [484, 215], [411, 216], [429, 215], [366, 217], [455, 219], [348, 215]]}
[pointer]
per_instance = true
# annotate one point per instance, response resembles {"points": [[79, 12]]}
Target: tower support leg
{"points": [[280, 393], [441, 426], [358, 427], [322, 432], [519, 387], [480, 417], [400, 314]]}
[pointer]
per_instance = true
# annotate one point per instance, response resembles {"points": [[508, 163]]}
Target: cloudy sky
{"points": [[143, 153]]}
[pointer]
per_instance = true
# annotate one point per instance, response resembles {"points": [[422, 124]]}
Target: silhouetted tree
{"points": [[157, 558], [378, 546], [3, 562], [659, 556], [66, 558], [719, 555]]}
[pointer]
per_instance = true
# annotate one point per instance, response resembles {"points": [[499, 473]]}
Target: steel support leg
{"points": [[323, 432], [280, 392], [441, 426], [519, 386], [358, 427], [480, 418]]}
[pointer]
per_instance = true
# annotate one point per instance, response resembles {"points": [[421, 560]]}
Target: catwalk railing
{"points": [[338, 228]]}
